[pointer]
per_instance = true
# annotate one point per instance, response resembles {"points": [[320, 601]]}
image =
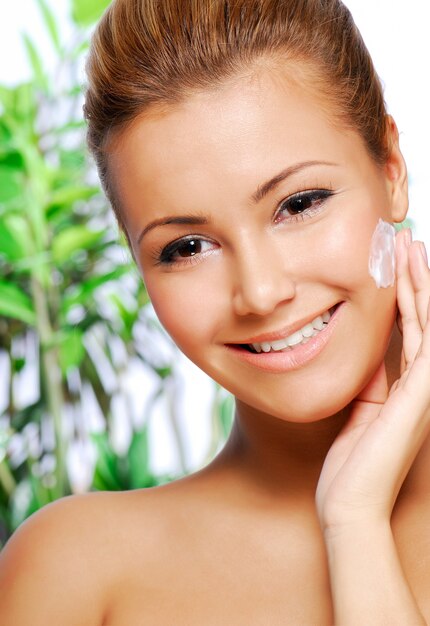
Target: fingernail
{"points": [[408, 237], [424, 252]]}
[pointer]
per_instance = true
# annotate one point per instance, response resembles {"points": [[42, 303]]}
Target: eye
{"points": [[184, 250], [302, 205], [188, 247]]}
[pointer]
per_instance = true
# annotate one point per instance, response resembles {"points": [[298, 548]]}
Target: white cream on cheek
{"points": [[382, 259]]}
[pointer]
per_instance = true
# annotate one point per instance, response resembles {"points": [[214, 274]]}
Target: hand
{"points": [[370, 458]]}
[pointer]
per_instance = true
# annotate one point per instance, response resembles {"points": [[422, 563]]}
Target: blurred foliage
{"points": [[73, 311]]}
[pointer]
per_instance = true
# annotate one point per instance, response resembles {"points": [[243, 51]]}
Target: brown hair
{"points": [[148, 53]]}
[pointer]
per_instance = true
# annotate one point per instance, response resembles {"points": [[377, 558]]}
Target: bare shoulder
{"points": [[104, 559], [56, 567]]}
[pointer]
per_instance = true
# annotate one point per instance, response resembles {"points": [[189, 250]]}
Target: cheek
{"points": [[186, 308], [343, 248], [343, 257]]}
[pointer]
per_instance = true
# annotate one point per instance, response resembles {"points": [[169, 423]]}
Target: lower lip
{"points": [[295, 358]]}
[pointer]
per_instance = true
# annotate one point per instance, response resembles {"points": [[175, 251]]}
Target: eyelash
{"points": [[165, 255], [311, 195]]}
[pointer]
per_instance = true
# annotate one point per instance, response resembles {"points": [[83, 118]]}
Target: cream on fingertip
{"points": [[382, 256]]}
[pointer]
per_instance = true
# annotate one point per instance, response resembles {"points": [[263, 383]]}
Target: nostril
{"points": [[260, 286]]}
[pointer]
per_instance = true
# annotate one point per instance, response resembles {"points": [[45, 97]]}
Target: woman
{"points": [[246, 150]]}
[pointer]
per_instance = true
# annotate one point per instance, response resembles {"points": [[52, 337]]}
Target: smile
{"points": [[279, 352], [301, 336]]}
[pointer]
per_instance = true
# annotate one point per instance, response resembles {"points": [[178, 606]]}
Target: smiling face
{"points": [[251, 215]]}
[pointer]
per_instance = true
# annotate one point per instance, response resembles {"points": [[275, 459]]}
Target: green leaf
{"points": [[72, 239], [84, 292], [12, 159], [138, 459], [87, 12], [72, 159], [18, 364], [24, 103], [128, 317], [71, 349], [11, 183], [163, 372], [36, 63], [16, 304], [6, 97], [226, 414], [70, 125], [69, 195], [5, 133], [14, 238], [105, 474], [50, 23]]}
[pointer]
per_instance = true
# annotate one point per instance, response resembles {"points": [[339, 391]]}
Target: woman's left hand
{"points": [[370, 458]]}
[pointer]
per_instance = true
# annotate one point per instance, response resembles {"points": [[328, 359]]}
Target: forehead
{"points": [[244, 130]]}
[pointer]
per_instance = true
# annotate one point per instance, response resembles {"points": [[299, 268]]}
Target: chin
{"points": [[312, 410], [329, 396]]}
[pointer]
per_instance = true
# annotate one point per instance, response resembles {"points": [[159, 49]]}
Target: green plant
{"points": [[69, 295]]}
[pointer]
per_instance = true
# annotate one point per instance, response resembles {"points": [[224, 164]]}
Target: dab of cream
{"points": [[382, 259]]}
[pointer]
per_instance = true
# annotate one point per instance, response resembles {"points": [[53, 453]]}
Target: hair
{"points": [[154, 53]]}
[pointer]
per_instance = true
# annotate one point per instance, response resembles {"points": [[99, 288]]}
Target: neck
{"points": [[280, 458]]}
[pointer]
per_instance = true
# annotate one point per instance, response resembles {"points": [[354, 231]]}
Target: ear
{"points": [[397, 174]]}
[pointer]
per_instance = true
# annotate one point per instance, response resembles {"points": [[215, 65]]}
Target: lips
{"points": [[293, 357], [299, 333]]}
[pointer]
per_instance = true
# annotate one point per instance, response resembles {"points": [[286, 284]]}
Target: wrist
{"points": [[345, 532], [366, 577]]}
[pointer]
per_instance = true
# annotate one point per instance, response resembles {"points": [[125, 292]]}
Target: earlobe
{"points": [[397, 174]]}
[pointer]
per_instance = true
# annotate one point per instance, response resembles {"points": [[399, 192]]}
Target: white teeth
{"points": [[300, 336], [295, 338], [279, 345], [308, 330], [318, 323]]}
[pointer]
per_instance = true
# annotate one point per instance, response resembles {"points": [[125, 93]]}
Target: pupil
{"points": [[190, 248], [299, 205]]}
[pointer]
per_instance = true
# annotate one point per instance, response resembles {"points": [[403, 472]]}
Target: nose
{"points": [[261, 281]]}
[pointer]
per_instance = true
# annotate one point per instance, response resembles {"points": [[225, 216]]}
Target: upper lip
{"points": [[283, 332]]}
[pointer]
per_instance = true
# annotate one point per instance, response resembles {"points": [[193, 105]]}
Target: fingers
{"points": [[417, 382], [420, 276], [410, 325], [413, 292]]}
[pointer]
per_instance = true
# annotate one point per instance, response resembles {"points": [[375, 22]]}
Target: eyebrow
{"points": [[173, 219], [257, 196], [271, 184]]}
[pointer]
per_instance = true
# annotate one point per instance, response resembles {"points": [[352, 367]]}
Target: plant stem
{"points": [[50, 378], [7, 480]]}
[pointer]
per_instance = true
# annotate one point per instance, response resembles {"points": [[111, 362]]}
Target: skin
{"points": [[316, 511]]}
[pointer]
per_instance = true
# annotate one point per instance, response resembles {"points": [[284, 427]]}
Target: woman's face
{"points": [[251, 214]]}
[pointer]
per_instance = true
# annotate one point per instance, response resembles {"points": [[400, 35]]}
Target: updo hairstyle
{"points": [[154, 53]]}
